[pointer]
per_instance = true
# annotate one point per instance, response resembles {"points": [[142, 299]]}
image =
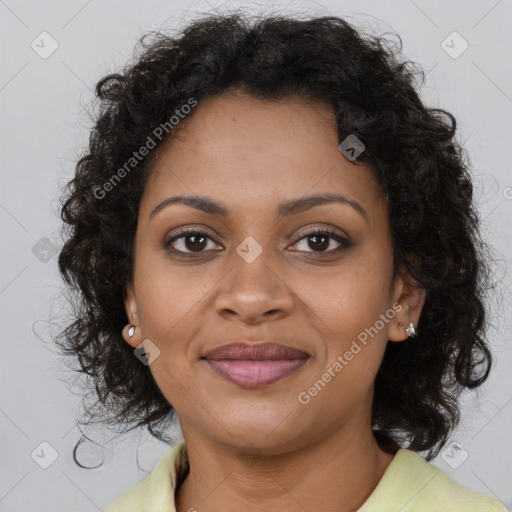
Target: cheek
{"points": [[168, 321], [354, 342], [352, 297], [346, 309], [166, 295], [167, 303]]}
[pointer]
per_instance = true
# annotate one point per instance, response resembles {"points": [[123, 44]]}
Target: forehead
{"points": [[238, 146], [242, 114]]}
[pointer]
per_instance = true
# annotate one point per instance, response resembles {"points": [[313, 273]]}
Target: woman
{"points": [[275, 239]]}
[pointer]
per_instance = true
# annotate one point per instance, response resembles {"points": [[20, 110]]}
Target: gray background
{"points": [[44, 126]]}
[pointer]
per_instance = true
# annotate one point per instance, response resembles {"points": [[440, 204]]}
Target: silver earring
{"points": [[411, 331], [131, 331]]}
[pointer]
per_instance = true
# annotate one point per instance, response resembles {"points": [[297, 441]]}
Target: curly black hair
{"points": [[411, 149]]}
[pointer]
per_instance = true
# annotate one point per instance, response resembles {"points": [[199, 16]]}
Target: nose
{"points": [[253, 293]]}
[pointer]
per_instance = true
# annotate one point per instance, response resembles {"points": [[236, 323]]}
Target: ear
{"points": [[130, 305], [411, 297]]}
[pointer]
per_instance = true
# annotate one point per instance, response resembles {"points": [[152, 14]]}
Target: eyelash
{"points": [[344, 243]]}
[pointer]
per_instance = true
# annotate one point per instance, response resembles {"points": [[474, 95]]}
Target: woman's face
{"points": [[260, 274]]}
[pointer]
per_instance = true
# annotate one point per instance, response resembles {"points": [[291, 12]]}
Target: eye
{"points": [[320, 240], [192, 241], [188, 241]]}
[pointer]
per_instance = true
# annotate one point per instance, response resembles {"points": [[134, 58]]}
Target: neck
{"points": [[338, 472]]}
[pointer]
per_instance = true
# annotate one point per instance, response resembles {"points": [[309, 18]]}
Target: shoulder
{"points": [[156, 490], [132, 500], [411, 484]]}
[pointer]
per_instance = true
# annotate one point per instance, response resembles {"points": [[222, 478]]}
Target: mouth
{"points": [[255, 365]]}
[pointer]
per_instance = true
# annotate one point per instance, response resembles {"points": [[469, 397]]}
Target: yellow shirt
{"points": [[409, 484]]}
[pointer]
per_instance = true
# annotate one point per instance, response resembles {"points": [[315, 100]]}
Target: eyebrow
{"points": [[291, 207]]}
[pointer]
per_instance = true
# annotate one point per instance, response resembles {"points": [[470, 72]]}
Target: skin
{"points": [[261, 449]]}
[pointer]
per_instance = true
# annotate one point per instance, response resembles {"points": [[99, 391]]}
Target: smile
{"points": [[255, 374], [255, 365]]}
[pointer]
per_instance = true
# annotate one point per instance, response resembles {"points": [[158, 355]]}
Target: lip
{"points": [[252, 365]]}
